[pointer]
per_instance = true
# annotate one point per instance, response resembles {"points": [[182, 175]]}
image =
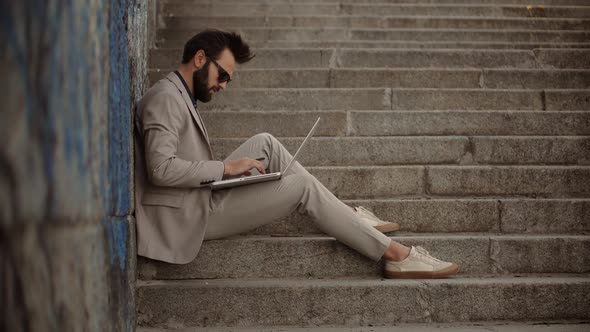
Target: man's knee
{"points": [[267, 139], [263, 137]]}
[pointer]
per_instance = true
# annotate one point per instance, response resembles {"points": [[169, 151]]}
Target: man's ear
{"points": [[199, 59]]}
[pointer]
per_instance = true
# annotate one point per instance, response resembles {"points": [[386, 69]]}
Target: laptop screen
{"points": [[301, 147]]}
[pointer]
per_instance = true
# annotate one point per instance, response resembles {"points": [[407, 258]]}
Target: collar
{"points": [[177, 82], [186, 88]]}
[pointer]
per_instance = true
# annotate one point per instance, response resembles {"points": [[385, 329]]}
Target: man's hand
{"points": [[242, 167]]}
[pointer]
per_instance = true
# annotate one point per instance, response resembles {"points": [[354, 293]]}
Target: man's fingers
{"points": [[256, 164], [246, 164], [260, 167]]}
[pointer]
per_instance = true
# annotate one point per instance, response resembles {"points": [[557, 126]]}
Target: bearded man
{"points": [[175, 208]]}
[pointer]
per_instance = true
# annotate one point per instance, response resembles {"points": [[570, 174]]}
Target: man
{"points": [[176, 211]]}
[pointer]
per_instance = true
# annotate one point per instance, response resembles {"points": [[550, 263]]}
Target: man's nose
{"points": [[223, 85]]}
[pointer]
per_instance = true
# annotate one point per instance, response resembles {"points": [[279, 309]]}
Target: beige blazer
{"points": [[173, 159]]}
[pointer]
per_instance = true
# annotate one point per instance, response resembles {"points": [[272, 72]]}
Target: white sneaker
{"points": [[368, 217], [419, 264]]}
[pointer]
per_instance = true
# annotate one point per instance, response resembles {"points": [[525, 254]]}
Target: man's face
{"points": [[206, 80]]}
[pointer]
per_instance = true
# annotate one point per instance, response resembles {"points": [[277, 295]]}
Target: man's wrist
{"points": [[224, 174]]}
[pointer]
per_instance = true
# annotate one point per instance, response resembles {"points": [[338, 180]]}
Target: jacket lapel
{"points": [[189, 103]]}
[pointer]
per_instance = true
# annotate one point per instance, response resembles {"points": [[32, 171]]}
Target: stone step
{"points": [[470, 327], [398, 58], [354, 302], [354, 182], [238, 124], [180, 22], [384, 151], [418, 33], [426, 2], [357, 182], [477, 10], [293, 99], [404, 78], [392, 44], [325, 257], [428, 214]]}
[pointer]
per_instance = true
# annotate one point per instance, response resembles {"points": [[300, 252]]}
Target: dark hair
{"points": [[213, 42]]}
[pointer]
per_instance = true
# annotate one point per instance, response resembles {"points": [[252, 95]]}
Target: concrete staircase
{"points": [[469, 124]]}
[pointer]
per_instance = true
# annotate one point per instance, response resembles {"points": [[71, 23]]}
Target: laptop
{"points": [[242, 181]]}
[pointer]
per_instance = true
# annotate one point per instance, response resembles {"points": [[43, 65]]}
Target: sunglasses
{"points": [[223, 75]]}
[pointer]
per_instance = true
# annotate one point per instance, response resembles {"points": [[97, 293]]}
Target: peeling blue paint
{"points": [[73, 64], [120, 111], [116, 229]]}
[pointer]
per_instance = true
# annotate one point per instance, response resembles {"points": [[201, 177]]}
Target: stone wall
{"points": [[71, 72]]}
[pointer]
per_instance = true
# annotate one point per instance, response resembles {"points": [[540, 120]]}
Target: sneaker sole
{"points": [[449, 271], [390, 227]]}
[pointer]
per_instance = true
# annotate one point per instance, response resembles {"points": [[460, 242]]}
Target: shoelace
{"points": [[425, 254]]}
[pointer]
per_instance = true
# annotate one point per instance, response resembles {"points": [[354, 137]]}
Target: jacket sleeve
{"points": [[161, 122]]}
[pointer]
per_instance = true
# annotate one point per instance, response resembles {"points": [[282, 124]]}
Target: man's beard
{"points": [[200, 80]]}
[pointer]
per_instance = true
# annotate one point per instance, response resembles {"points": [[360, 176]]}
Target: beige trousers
{"points": [[245, 208]]}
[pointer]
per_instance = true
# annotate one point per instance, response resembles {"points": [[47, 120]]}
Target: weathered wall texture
{"points": [[71, 71]]}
